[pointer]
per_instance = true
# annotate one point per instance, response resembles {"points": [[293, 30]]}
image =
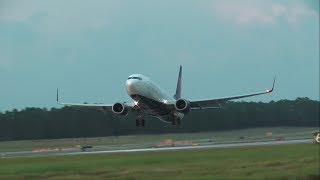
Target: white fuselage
{"points": [[138, 84], [149, 97]]}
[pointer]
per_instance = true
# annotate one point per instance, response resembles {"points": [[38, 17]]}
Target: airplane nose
{"points": [[131, 87]]}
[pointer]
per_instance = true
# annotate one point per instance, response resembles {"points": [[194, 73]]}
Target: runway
{"points": [[74, 151]]}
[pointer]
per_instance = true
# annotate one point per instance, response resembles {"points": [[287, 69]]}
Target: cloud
{"points": [[58, 16], [261, 12], [16, 11]]}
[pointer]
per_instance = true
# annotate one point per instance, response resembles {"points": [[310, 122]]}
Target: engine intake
{"points": [[120, 108], [182, 105]]}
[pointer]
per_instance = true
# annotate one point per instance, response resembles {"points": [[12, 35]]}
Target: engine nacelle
{"points": [[120, 108], [182, 105]]}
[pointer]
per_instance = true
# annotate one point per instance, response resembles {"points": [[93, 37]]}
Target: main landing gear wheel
{"points": [[175, 121], [140, 122]]}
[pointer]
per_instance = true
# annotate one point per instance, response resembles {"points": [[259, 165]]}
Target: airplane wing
{"points": [[215, 103], [94, 105]]}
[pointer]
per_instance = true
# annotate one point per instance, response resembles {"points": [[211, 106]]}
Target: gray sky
{"points": [[87, 49]]}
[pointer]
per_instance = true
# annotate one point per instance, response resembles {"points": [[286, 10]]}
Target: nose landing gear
{"points": [[140, 121]]}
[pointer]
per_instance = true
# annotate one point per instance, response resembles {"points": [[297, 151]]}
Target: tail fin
{"points": [[178, 91]]}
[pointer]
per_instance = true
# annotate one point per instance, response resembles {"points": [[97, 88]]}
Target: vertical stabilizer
{"points": [[178, 90]]}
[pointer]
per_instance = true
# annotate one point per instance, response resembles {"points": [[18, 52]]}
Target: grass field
{"points": [[269, 162], [253, 134]]}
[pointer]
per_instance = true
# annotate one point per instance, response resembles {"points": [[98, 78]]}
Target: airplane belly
{"points": [[151, 106]]}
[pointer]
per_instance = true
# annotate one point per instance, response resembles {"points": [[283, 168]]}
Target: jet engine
{"points": [[120, 108], [182, 105]]}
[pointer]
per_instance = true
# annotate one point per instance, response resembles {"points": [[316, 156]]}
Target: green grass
{"points": [[268, 162]]}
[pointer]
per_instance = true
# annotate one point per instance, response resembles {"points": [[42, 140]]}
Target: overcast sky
{"points": [[87, 49]]}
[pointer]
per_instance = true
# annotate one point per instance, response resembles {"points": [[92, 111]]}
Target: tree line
{"points": [[71, 122]]}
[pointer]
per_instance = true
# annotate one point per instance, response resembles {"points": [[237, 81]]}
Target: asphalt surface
{"points": [[75, 151]]}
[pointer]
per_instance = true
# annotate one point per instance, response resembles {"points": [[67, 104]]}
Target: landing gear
{"points": [[136, 109], [140, 122], [175, 121]]}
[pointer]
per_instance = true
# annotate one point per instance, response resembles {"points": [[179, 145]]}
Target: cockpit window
{"points": [[135, 78]]}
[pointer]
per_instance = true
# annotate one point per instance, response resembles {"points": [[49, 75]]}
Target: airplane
{"points": [[149, 99]]}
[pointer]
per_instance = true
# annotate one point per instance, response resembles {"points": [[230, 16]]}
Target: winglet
{"points": [[178, 90], [57, 95], [269, 91]]}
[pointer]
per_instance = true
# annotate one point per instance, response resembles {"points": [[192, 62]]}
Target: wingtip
{"points": [[274, 81], [269, 91], [57, 95]]}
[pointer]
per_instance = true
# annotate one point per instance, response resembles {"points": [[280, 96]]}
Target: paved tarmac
{"points": [[75, 151]]}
